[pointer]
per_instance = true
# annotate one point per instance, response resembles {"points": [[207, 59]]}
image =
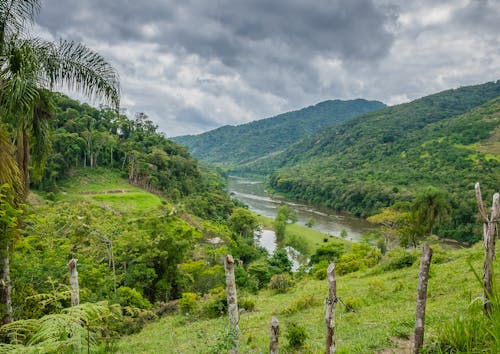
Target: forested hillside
{"points": [[448, 140], [237, 145]]}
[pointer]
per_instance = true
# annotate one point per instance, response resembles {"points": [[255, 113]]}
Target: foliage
{"points": [[188, 302], [375, 160], [296, 335], [284, 216], [280, 262], [243, 222], [243, 144], [72, 330], [130, 297], [281, 283]]}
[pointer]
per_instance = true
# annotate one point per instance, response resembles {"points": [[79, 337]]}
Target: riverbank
{"points": [[304, 239]]}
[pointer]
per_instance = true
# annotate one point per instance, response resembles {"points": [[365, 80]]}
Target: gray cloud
{"points": [[195, 65]]}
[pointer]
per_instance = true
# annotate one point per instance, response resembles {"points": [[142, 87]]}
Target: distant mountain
{"points": [[237, 145], [449, 140]]}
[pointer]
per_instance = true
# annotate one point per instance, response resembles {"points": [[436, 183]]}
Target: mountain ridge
{"points": [[234, 145]]}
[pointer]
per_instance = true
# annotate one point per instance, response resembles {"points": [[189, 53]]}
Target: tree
{"points": [[285, 215], [27, 66], [430, 205], [243, 222]]}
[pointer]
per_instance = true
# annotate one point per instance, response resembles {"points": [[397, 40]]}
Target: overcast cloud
{"points": [[195, 65]]}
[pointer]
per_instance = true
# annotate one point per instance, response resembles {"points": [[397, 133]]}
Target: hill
{"points": [[448, 140], [376, 314], [235, 145]]}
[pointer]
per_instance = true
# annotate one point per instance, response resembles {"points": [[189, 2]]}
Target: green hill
{"points": [[448, 140], [235, 145], [376, 314]]}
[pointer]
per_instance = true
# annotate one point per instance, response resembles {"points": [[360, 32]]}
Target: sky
{"points": [[195, 65]]}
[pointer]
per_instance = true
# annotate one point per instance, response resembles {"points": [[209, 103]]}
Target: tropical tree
{"points": [[430, 205], [28, 66]]}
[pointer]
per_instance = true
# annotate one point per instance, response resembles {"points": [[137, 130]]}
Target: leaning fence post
{"points": [[489, 235], [423, 277], [232, 301], [73, 281], [330, 303], [275, 332]]}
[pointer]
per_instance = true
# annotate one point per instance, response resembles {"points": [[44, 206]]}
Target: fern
{"points": [[72, 330]]}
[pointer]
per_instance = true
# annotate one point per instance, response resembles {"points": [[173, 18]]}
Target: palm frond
{"points": [[9, 171], [43, 112], [14, 14], [79, 68]]}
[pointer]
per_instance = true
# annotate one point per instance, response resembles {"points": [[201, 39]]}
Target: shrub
{"points": [[296, 335], [188, 302], [215, 304], [398, 258], [329, 252], [126, 296], [246, 303], [302, 303], [280, 283]]}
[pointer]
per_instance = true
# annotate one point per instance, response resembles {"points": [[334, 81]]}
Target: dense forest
{"points": [[383, 158], [448, 140], [231, 146]]}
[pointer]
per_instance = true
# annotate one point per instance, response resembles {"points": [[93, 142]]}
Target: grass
{"points": [[310, 239], [383, 303], [109, 189]]}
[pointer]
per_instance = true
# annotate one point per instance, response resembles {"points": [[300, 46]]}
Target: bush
{"points": [[302, 303], [215, 304], [398, 258], [330, 252], [280, 283], [126, 296], [296, 335], [247, 304], [188, 302]]}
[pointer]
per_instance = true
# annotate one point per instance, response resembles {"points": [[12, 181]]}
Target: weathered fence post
{"points": [[489, 234], [330, 303], [275, 332], [423, 277], [73, 281], [232, 301]]}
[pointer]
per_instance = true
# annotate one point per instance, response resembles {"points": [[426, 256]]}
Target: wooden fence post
{"points": [[423, 277], [275, 332], [330, 303], [232, 301], [489, 234], [73, 281]]}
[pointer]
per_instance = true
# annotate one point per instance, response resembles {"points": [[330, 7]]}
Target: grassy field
{"points": [[107, 188], [304, 239], [381, 315]]}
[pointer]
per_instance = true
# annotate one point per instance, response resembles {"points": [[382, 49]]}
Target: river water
{"points": [[252, 193]]}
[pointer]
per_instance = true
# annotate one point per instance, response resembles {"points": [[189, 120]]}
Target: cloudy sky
{"points": [[194, 65]]}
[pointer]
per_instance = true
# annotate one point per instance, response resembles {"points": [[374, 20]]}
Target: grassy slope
{"points": [[107, 188], [384, 302]]}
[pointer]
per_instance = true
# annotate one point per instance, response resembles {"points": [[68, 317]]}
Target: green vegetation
{"points": [[234, 147], [373, 161], [377, 311]]}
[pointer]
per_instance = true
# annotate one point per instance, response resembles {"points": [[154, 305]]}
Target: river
{"points": [[252, 193]]}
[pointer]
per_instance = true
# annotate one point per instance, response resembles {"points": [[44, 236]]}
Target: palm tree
{"points": [[430, 205], [29, 66]]}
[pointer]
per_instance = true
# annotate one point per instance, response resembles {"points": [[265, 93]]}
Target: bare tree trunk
{"points": [[275, 332], [423, 277], [5, 287], [232, 301], [73, 281], [331, 301], [489, 237]]}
